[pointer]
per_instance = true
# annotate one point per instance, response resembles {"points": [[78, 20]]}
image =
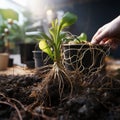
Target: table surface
{"points": [[21, 69], [17, 70]]}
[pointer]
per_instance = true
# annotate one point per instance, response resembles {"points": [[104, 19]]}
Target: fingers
{"points": [[113, 42], [99, 37], [104, 41], [96, 34], [100, 34], [108, 34]]}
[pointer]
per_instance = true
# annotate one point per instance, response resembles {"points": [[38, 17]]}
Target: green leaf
{"points": [[53, 33], [9, 13], [44, 36], [54, 23], [61, 38], [43, 45], [82, 37], [67, 20]]}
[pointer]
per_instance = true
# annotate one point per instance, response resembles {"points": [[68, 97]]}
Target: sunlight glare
{"points": [[21, 2]]}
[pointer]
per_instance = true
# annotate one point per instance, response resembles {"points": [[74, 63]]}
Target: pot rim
{"points": [[4, 54], [86, 44]]}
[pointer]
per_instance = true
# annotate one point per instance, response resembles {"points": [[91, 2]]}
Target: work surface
{"points": [[111, 67], [17, 70]]}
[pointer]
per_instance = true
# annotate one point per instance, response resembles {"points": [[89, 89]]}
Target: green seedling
{"points": [[51, 43]]}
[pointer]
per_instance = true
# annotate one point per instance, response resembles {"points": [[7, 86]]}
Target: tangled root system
{"points": [[56, 84]]}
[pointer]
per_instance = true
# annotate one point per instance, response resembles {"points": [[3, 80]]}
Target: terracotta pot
{"points": [[84, 57], [4, 57]]}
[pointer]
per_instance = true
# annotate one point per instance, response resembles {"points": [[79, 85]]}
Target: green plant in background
{"points": [[9, 13], [4, 32], [7, 16], [10, 33], [51, 44]]}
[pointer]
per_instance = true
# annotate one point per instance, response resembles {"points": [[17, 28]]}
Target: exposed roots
{"points": [[56, 84], [60, 84], [12, 103]]}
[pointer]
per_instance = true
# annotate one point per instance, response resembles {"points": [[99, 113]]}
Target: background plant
{"points": [[10, 33]]}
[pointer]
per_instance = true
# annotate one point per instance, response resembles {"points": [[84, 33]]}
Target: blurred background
{"points": [[24, 19]]}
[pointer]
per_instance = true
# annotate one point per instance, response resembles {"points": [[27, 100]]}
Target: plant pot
{"points": [[26, 54], [41, 59], [84, 57], [10, 62], [4, 61]]}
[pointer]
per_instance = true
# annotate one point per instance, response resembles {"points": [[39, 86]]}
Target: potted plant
{"points": [[4, 56], [82, 56], [8, 43]]}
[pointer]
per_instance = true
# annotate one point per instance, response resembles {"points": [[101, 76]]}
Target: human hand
{"points": [[108, 34]]}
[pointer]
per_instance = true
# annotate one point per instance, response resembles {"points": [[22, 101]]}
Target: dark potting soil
{"points": [[97, 102]]}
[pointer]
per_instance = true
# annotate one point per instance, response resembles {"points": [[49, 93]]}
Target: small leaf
{"points": [[44, 36], [53, 32], [68, 19], [61, 38], [43, 45]]}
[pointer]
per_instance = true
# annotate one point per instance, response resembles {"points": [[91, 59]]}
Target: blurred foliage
{"points": [[8, 13], [11, 32]]}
